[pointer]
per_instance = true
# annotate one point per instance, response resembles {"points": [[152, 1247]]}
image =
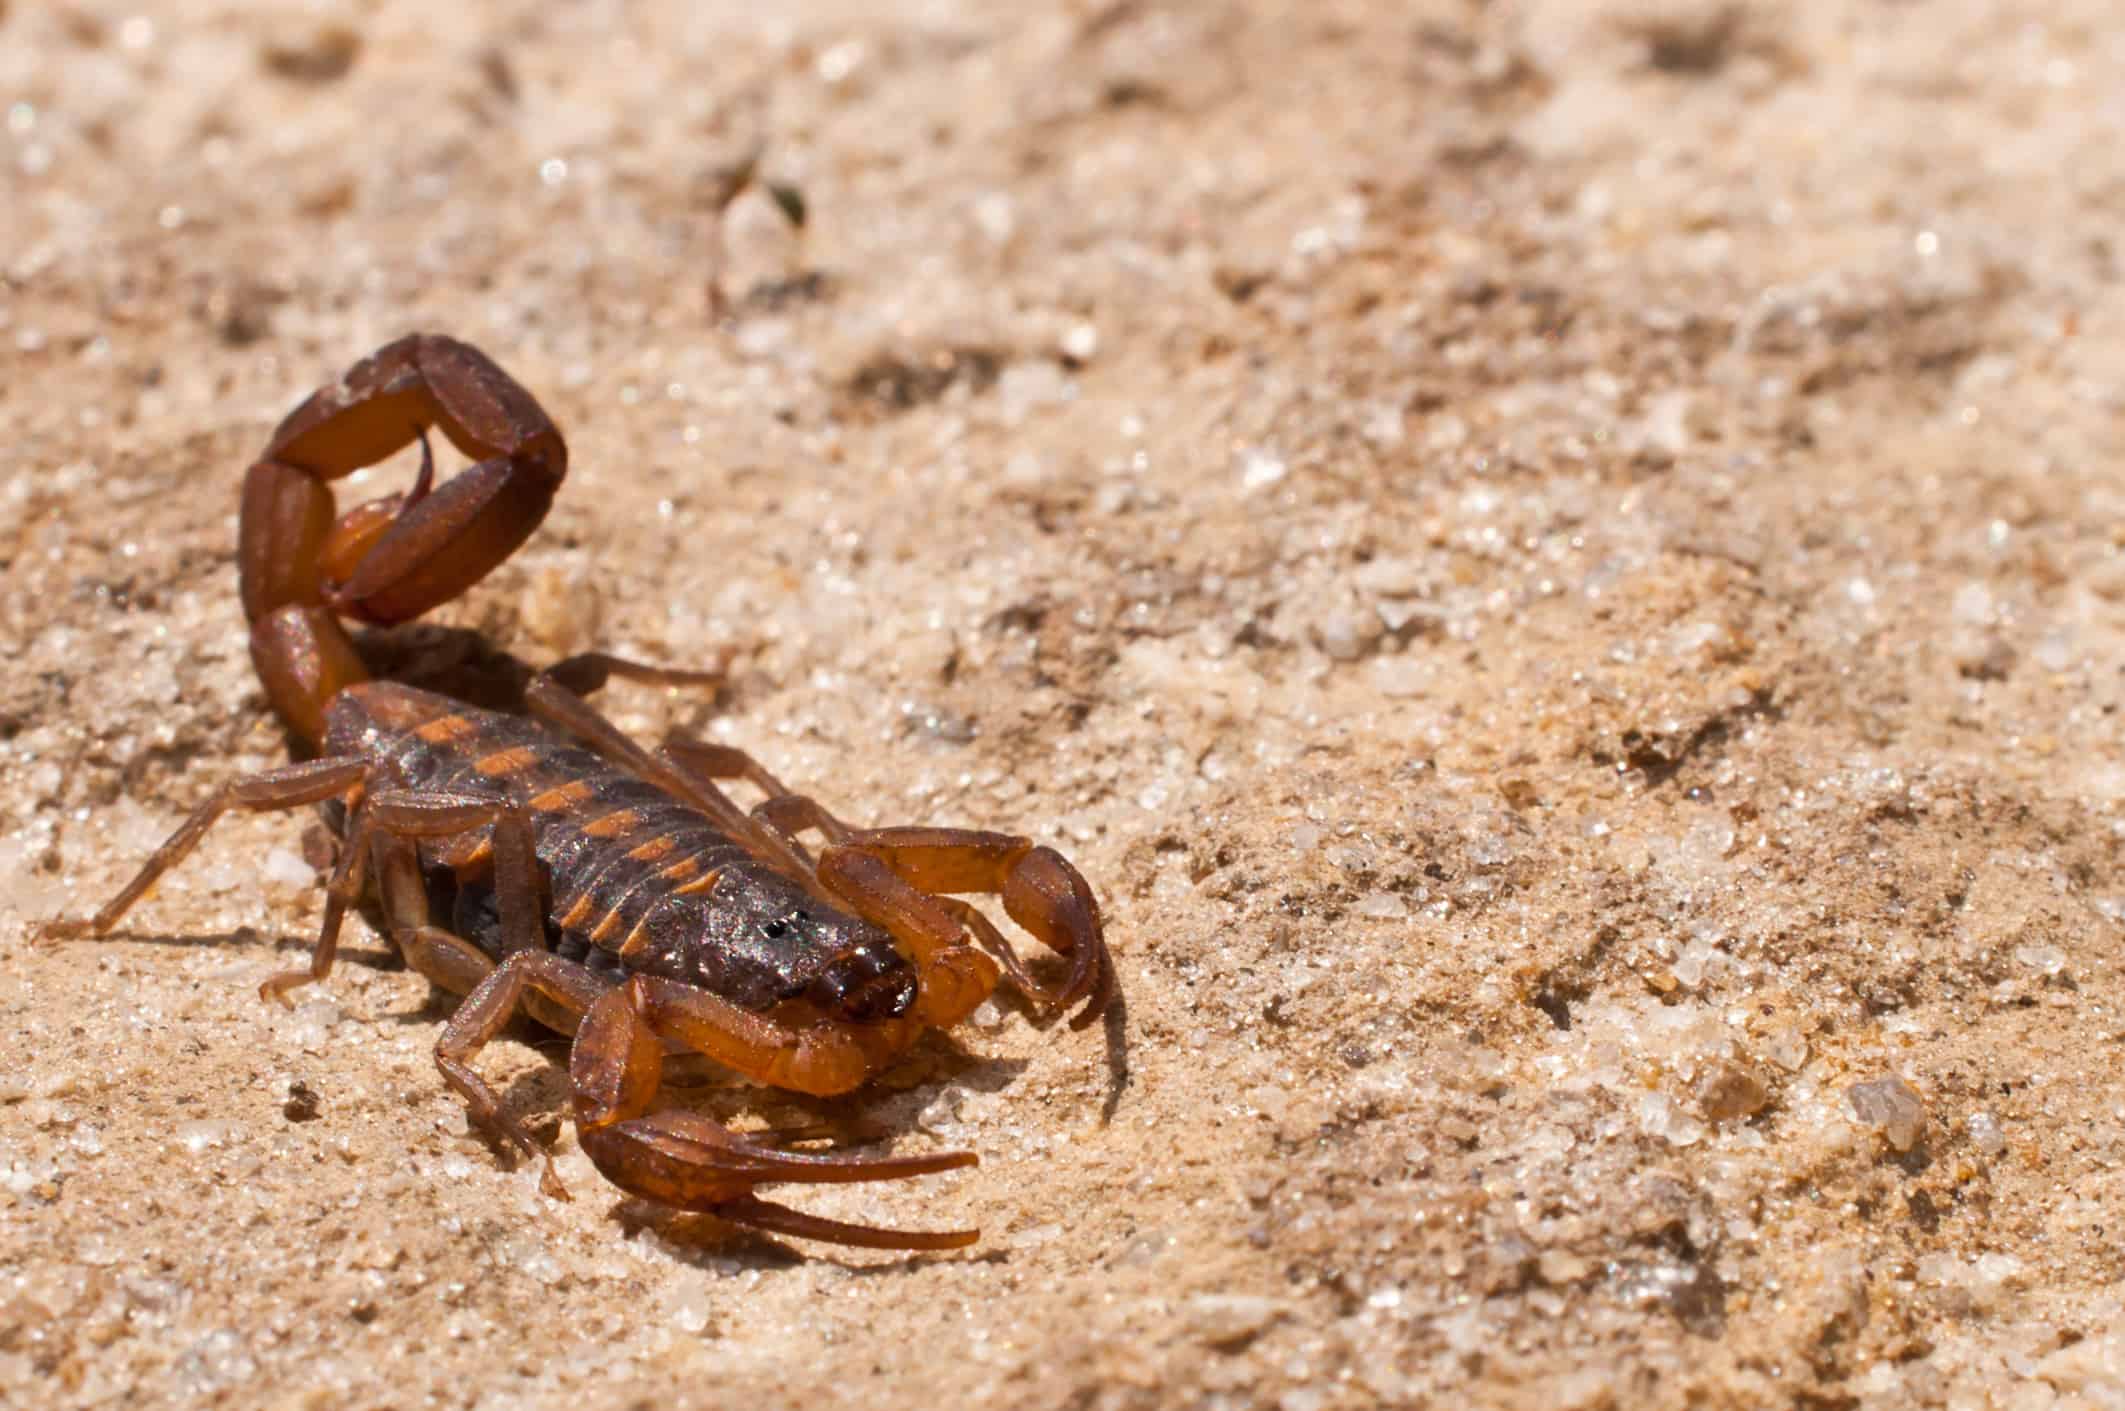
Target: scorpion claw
{"points": [[688, 1162], [781, 1220], [689, 1152]]}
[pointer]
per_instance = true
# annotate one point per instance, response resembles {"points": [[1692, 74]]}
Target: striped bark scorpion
{"points": [[612, 892]]}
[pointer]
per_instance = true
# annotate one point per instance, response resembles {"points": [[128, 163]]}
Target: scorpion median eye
{"points": [[775, 929]]}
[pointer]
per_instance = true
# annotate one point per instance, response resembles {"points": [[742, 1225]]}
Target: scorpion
{"points": [[610, 891]]}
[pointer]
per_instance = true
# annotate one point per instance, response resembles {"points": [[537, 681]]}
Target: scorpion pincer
{"points": [[545, 862]]}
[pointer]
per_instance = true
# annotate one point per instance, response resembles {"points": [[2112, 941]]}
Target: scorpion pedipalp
{"points": [[1040, 891], [686, 1161], [691, 1162]]}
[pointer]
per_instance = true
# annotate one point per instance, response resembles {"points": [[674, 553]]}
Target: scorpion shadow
{"points": [[722, 1248], [379, 958]]}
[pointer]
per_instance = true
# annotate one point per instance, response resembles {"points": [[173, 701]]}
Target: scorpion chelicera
{"points": [[610, 891]]}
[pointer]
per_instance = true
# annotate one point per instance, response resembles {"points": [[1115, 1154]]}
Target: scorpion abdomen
{"points": [[639, 882]]}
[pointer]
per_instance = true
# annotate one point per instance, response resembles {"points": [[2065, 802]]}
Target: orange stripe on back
{"points": [[566, 796], [471, 850], [445, 730], [613, 825], [502, 763], [652, 850], [700, 884]]}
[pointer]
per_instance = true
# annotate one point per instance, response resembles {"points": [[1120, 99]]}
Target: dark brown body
{"points": [[545, 862], [637, 882]]}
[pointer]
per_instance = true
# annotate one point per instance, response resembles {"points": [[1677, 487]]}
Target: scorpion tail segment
{"points": [[440, 543], [436, 547], [781, 1220], [370, 412], [393, 559], [422, 380], [303, 658], [285, 523]]}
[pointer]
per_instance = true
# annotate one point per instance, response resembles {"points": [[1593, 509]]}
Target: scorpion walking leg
{"points": [[344, 886], [447, 960], [383, 823], [486, 830], [395, 558], [290, 786], [563, 989], [374, 816], [572, 987], [455, 964], [782, 813], [586, 672], [685, 1160], [396, 814]]}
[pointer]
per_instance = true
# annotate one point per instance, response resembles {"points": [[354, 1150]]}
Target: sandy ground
{"points": [[1561, 566]]}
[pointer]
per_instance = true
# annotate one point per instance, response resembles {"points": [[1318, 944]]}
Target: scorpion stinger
{"points": [[394, 558]]}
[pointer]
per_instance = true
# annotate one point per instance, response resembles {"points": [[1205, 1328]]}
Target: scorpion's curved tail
{"points": [[304, 565]]}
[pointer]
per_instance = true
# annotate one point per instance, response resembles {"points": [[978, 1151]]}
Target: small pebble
{"points": [[1381, 906], [691, 1313], [1080, 343], [207, 1133], [1660, 1117], [1891, 1106], [1727, 1091], [1260, 469], [287, 869], [1033, 1236], [309, 51], [1232, 1319], [2046, 960]]}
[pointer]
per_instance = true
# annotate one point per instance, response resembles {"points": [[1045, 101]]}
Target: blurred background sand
{"points": [[1558, 564]]}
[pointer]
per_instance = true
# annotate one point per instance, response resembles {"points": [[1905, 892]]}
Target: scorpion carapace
{"points": [[545, 862]]}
